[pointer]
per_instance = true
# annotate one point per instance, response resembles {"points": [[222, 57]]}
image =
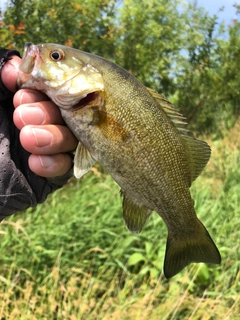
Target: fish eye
{"points": [[57, 55]]}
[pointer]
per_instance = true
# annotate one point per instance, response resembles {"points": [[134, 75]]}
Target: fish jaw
{"points": [[31, 74], [66, 86], [29, 55], [26, 73]]}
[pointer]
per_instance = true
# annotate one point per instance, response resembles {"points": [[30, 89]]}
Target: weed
{"points": [[72, 257]]}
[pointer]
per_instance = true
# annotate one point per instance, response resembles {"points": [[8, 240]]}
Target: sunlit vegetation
{"points": [[72, 257]]}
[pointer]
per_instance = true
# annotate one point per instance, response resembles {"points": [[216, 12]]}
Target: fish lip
{"points": [[30, 54], [26, 49]]}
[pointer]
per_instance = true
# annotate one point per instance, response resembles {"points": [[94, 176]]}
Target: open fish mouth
{"points": [[91, 99]]}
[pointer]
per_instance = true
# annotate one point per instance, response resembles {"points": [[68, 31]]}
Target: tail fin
{"points": [[197, 247]]}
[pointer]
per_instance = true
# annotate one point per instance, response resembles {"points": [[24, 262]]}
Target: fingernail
{"points": [[28, 95], [32, 115], [46, 161], [22, 94], [42, 137]]}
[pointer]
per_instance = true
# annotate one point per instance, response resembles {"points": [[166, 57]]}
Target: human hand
{"points": [[42, 129]]}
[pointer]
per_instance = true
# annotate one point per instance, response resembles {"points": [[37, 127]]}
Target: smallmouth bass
{"points": [[136, 134]]}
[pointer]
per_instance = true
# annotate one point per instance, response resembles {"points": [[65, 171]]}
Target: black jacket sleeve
{"points": [[20, 188]]}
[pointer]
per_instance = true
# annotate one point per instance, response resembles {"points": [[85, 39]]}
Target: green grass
{"points": [[72, 257]]}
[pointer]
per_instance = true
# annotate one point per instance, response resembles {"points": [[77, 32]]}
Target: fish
{"points": [[136, 135]]}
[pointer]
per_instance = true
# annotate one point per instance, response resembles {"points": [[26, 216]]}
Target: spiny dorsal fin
{"points": [[198, 152], [177, 118], [135, 216]]}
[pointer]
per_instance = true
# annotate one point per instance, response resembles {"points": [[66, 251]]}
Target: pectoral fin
{"points": [[135, 216], [83, 161]]}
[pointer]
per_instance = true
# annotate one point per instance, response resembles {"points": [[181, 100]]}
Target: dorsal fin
{"points": [[198, 152], [177, 118]]}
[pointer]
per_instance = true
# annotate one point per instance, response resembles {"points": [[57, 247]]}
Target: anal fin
{"points": [[135, 216]]}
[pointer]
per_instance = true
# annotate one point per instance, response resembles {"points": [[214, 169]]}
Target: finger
{"points": [[9, 73], [50, 166], [47, 140], [38, 113], [26, 96]]}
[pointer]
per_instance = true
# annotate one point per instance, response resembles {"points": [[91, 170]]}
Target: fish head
{"points": [[65, 74]]}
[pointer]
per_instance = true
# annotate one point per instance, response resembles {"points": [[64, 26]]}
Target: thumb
{"points": [[9, 73]]}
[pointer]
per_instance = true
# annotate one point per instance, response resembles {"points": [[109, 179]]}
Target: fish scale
{"points": [[136, 134]]}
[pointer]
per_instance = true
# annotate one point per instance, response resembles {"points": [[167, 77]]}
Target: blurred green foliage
{"points": [[73, 258], [174, 47]]}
